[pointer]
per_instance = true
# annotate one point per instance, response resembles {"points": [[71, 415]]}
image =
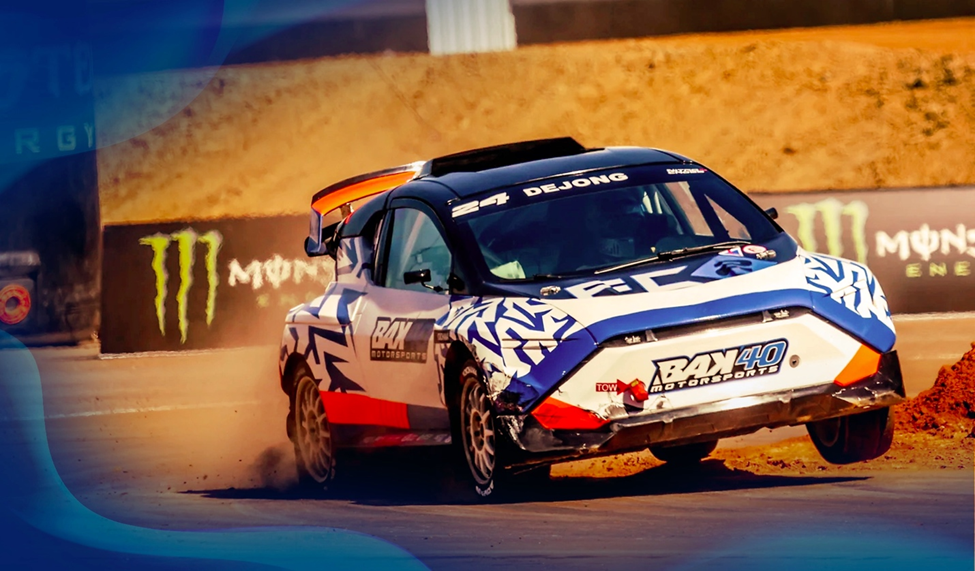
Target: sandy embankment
{"points": [[889, 105]]}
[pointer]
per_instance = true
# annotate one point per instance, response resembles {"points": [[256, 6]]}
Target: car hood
{"points": [[723, 285], [606, 316], [527, 344]]}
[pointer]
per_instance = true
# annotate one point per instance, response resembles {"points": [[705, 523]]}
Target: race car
{"points": [[542, 301]]}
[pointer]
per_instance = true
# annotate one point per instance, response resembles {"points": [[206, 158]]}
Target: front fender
{"points": [[525, 347], [849, 295]]}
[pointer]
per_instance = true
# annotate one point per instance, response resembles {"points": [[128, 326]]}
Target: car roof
{"points": [[465, 175], [469, 173]]}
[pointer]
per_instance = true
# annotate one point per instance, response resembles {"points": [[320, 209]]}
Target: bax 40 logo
{"points": [[718, 366], [401, 340]]}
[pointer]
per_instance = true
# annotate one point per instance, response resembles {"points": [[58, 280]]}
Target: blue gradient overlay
{"points": [[43, 525]]}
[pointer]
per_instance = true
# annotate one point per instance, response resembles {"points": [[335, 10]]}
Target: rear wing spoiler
{"points": [[341, 195]]}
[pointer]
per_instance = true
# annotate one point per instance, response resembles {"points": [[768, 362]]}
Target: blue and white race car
{"points": [[540, 302]]}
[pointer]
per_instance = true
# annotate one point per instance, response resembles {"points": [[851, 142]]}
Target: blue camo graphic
{"points": [[351, 257], [849, 284], [509, 338]]}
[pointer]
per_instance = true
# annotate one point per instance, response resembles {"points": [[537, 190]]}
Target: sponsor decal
{"points": [[923, 250], [474, 206], [258, 274], [832, 212], [721, 267], [928, 244], [14, 304], [581, 182], [186, 241], [686, 171], [440, 337], [636, 388], [396, 339], [637, 283], [714, 367], [407, 439], [275, 272]]}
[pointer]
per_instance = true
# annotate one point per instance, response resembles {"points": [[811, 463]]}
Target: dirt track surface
{"points": [[196, 441], [856, 107]]}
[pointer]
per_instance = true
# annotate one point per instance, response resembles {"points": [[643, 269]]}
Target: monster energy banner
{"points": [[201, 285], [919, 242], [224, 283]]}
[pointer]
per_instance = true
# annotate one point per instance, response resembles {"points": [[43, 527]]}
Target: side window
{"points": [[416, 244]]}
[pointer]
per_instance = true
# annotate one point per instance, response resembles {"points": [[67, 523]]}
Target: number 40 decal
{"points": [[470, 207]]}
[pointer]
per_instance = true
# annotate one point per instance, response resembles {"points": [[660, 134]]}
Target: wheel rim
{"points": [[478, 433], [828, 431], [314, 438]]}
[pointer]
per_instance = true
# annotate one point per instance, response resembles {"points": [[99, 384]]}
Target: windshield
{"points": [[583, 224]]}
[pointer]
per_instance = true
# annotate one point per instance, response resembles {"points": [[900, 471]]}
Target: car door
{"points": [[394, 333]]}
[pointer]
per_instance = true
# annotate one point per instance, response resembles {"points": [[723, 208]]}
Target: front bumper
{"points": [[535, 444]]}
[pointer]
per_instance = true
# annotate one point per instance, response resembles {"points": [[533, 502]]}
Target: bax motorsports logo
{"points": [[398, 339], [719, 366]]}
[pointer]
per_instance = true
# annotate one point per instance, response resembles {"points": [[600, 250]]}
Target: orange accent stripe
{"points": [[864, 363], [554, 414], [344, 408], [360, 190]]}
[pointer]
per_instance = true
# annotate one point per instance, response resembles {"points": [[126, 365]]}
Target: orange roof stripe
{"points": [[360, 190]]}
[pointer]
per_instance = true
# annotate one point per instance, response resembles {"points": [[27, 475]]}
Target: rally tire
{"points": [[311, 434], [854, 438], [684, 453], [477, 438]]}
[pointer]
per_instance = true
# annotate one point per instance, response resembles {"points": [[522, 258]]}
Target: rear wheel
{"points": [[684, 453], [311, 433], [854, 438]]}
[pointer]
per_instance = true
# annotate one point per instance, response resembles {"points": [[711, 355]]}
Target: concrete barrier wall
{"points": [[575, 20], [401, 26]]}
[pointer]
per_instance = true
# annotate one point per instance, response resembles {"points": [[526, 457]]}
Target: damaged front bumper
{"points": [[535, 444]]}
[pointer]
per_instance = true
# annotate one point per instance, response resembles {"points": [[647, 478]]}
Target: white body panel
{"points": [[822, 350]]}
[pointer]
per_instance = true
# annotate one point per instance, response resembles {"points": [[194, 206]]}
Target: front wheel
{"points": [[854, 438], [477, 432]]}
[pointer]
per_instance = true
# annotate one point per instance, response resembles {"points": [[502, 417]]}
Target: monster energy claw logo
{"points": [[832, 212], [186, 240]]}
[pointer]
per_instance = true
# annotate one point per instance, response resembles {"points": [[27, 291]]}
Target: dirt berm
{"points": [[875, 106]]}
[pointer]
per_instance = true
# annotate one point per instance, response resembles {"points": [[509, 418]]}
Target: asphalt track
{"points": [[196, 441]]}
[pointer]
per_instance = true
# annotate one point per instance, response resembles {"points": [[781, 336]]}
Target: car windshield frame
{"points": [[463, 214]]}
